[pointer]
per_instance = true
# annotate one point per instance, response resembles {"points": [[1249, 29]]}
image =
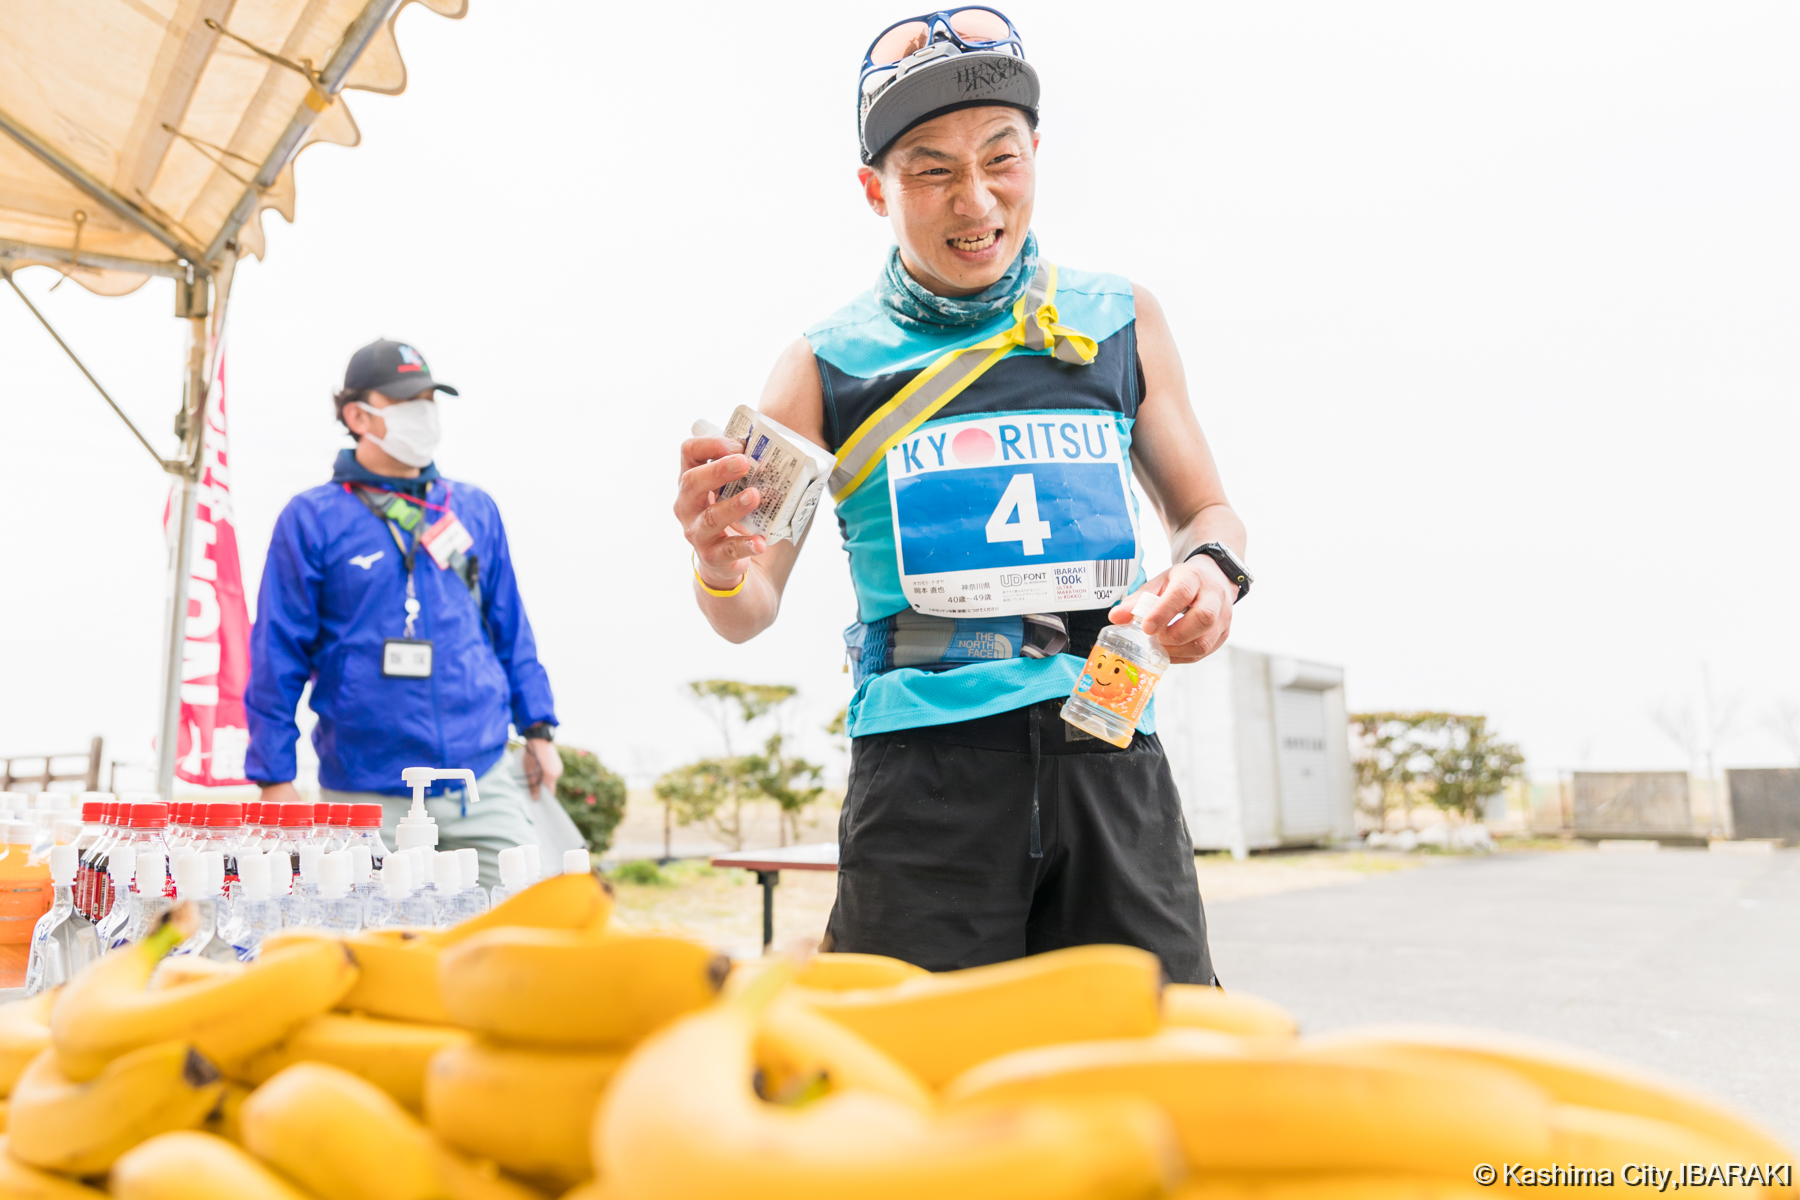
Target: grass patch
{"points": [[642, 872]]}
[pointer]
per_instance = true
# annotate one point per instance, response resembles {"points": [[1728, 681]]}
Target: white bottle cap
{"points": [[62, 865], [396, 877], [334, 875], [121, 867], [190, 876], [471, 866], [533, 868], [14, 801], [446, 872], [309, 864], [52, 801], [215, 871], [362, 865], [281, 875], [577, 862], [152, 871], [512, 868], [253, 873], [18, 833]]}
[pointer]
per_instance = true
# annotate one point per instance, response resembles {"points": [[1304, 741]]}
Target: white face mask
{"points": [[412, 430]]}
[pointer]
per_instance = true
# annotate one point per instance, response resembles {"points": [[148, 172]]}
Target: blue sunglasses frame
{"points": [[934, 23]]}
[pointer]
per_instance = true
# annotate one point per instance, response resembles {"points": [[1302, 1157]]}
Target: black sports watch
{"points": [[1231, 564], [543, 729]]}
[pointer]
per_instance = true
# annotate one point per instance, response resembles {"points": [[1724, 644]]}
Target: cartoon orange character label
{"points": [[1116, 684]]}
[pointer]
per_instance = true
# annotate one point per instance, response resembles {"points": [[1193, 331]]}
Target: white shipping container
{"points": [[1259, 746]]}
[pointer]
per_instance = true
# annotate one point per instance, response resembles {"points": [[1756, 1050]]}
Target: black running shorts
{"points": [[937, 836]]}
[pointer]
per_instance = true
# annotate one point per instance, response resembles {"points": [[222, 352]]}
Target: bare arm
{"points": [[1187, 606], [723, 555]]}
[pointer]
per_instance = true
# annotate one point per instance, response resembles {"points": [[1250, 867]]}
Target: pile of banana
{"points": [[539, 1051]]}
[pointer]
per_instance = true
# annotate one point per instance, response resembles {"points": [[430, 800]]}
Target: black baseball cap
{"points": [[395, 369]]}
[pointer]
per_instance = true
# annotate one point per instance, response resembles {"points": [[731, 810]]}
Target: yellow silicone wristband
{"points": [[712, 591]]}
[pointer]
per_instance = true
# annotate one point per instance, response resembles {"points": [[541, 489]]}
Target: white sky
{"points": [[1488, 312]]}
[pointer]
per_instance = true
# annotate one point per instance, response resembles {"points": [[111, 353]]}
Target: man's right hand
{"points": [[280, 793], [720, 556]]}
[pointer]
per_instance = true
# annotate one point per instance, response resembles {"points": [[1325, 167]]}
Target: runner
{"points": [[988, 411]]}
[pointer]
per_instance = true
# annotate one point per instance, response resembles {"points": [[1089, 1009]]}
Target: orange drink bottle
{"points": [[25, 891]]}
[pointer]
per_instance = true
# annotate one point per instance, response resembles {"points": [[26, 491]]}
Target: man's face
{"points": [[362, 422], [958, 190]]}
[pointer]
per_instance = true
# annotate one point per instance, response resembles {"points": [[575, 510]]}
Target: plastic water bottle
{"points": [[514, 874], [471, 877], [149, 896], [258, 913], [365, 831], [335, 908], [534, 867], [93, 809], [397, 905], [363, 882], [1116, 683], [24, 886], [450, 903], [198, 879], [64, 941], [298, 909], [111, 927]]}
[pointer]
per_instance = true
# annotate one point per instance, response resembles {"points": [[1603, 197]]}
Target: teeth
{"points": [[977, 243]]}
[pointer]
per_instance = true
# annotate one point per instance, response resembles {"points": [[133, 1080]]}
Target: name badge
{"points": [[406, 658], [445, 538], [1006, 515]]}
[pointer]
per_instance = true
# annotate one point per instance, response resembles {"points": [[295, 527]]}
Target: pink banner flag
{"points": [[215, 661]]}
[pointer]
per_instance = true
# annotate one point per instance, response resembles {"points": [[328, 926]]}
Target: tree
{"points": [[1451, 758], [785, 780], [593, 796], [701, 790]]}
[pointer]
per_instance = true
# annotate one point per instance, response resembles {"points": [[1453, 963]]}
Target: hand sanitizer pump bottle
{"points": [[471, 877], [513, 879], [258, 913], [63, 941], [336, 908]]}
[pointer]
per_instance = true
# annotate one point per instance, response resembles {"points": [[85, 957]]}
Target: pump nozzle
{"points": [[416, 827]]}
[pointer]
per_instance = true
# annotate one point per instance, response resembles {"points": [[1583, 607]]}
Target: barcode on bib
{"points": [[1113, 572]]}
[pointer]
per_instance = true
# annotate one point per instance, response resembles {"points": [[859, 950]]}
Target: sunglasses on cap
{"points": [[975, 27]]}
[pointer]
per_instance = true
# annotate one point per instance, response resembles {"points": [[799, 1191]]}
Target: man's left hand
{"points": [[543, 765], [1187, 608]]}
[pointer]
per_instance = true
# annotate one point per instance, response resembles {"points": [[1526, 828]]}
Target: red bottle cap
{"points": [[93, 810], [153, 814], [184, 811], [296, 816], [365, 816], [253, 812], [321, 814], [340, 815], [112, 811], [224, 814]]}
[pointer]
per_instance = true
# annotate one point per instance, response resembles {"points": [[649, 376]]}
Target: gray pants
{"points": [[503, 817]]}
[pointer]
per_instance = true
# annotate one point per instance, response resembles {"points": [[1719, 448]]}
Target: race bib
{"points": [[1004, 515]]}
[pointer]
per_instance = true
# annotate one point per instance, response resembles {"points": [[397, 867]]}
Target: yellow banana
{"points": [[1327, 1187], [1569, 1075], [478, 1179], [105, 1011], [1193, 1006], [223, 1120], [397, 977], [79, 1128], [798, 1050], [5, 1114], [531, 1111], [24, 1032], [392, 1055], [843, 972], [1239, 1108], [21, 1182], [939, 1026], [340, 1136], [1595, 1139], [681, 1119], [178, 970], [195, 1166], [588, 1191], [575, 902], [554, 987]]}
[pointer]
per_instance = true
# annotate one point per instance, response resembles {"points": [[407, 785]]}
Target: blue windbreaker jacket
{"points": [[333, 589]]}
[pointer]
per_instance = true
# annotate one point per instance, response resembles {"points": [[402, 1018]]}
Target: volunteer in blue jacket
{"points": [[988, 411], [391, 589]]}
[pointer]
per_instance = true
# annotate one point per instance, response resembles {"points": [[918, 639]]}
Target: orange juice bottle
{"points": [[25, 891]]}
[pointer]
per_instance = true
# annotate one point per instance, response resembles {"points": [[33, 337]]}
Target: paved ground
{"points": [[1684, 961]]}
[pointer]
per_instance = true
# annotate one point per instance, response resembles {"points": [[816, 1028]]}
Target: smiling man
{"points": [[988, 412]]}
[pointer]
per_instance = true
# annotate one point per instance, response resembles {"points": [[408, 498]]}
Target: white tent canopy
{"points": [[146, 137]]}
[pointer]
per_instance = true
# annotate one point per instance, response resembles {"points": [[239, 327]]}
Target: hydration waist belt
{"points": [[911, 639]]}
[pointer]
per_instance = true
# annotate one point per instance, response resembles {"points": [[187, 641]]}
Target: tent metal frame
{"points": [[198, 275]]}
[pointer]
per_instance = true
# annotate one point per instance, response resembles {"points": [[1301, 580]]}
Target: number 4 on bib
{"points": [[1020, 498]]}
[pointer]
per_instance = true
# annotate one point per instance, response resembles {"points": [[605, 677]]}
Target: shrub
{"points": [[593, 796]]}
